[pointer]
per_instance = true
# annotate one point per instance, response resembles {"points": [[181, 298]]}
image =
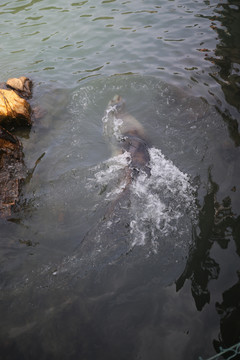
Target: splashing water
{"points": [[110, 177], [163, 203], [161, 206], [112, 124], [150, 215]]}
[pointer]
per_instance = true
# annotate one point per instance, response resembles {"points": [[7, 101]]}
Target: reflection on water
{"points": [[227, 53], [225, 22], [217, 224], [229, 312]]}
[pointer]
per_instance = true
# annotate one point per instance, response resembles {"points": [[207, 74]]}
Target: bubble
{"points": [[162, 206]]}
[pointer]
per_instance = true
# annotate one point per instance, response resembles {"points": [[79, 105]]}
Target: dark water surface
{"points": [[158, 279]]}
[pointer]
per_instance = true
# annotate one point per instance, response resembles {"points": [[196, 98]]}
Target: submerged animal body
{"points": [[127, 134]]}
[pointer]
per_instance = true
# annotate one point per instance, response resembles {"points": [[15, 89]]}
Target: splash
{"points": [[162, 206], [109, 175], [112, 124]]}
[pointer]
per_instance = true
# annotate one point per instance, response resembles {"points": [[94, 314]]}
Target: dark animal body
{"points": [[128, 136], [139, 155]]}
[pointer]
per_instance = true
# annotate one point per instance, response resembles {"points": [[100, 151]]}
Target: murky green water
{"points": [[162, 280]]}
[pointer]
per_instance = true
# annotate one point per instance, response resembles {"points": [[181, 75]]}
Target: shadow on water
{"points": [[217, 224], [219, 220], [225, 22], [229, 313]]}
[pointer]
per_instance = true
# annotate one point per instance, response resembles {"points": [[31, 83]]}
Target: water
{"points": [[159, 277]]}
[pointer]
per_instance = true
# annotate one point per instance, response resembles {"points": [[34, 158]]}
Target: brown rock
{"points": [[14, 111], [12, 171], [22, 85]]}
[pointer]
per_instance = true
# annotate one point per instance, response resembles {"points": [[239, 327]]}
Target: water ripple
{"points": [[145, 39]]}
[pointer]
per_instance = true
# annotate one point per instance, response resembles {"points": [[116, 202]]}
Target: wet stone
{"points": [[12, 171], [22, 86], [15, 113], [14, 110]]}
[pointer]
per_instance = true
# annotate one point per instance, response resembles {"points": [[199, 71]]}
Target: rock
{"points": [[12, 171], [22, 86], [14, 111]]}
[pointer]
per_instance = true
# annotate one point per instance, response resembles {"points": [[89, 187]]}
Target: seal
{"points": [[127, 134]]}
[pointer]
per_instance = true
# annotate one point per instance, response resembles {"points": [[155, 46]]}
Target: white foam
{"points": [[162, 205], [110, 175], [112, 167], [112, 124]]}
